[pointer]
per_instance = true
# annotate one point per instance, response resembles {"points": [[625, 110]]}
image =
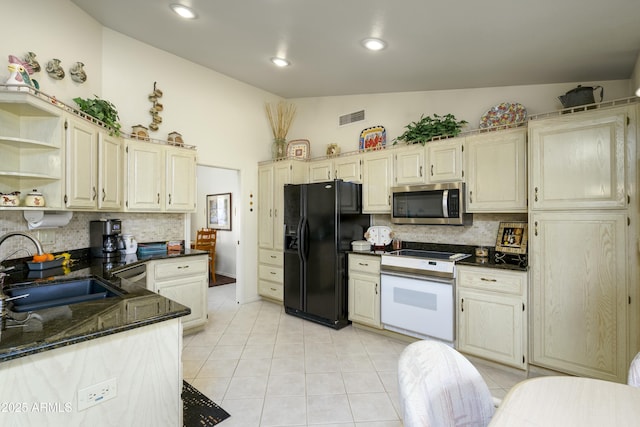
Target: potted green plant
{"points": [[102, 110], [427, 128]]}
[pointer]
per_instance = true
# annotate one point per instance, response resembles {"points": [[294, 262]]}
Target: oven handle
{"points": [[430, 278]]}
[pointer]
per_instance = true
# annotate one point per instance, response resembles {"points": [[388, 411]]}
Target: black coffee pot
{"points": [[581, 95]]}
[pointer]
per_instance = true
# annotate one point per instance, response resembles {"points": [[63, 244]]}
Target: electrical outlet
{"points": [[47, 237], [97, 393]]}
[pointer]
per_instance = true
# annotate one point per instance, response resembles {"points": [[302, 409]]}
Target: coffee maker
{"points": [[104, 236]]}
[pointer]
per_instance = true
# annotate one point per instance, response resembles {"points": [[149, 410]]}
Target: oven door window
{"points": [[422, 306], [418, 204]]}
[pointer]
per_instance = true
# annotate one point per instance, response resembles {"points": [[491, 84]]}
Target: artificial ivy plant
{"points": [[102, 110], [427, 128]]}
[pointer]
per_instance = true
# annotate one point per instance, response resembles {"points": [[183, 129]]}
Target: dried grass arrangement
{"points": [[280, 118]]}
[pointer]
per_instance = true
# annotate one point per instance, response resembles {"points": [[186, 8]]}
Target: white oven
{"points": [[417, 293]]}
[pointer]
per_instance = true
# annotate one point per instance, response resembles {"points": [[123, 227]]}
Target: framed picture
{"points": [[219, 211], [512, 238]]}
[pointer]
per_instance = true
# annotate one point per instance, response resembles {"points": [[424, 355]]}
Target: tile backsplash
{"points": [[145, 227], [482, 232]]}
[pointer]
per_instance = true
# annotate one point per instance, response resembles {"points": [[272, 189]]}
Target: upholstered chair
{"points": [[439, 387]]}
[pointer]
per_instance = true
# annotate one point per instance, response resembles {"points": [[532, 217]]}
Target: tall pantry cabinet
{"points": [[583, 237], [272, 177]]}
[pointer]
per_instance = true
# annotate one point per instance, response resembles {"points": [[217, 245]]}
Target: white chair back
{"points": [[634, 372], [439, 387]]}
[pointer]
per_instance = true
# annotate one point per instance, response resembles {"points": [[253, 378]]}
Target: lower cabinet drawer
{"points": [[271, 290], [510, 282], [266, 256], [271, 273], [184, 266]]}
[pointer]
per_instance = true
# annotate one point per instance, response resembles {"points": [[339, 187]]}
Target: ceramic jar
{"points": [[10, 199], [34, 199]]}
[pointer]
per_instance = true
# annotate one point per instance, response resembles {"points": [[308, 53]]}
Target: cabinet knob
{"points": [[487, 280], [182, 266], [535, 194], [104, 195], [431, 170], [95, 194], [364, 264], [421, 171], [535, 228], [470, 196], [169, 198]]}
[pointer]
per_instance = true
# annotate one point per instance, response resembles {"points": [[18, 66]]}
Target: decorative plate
{"points": [[373, 138], [504, 114], [298, 149], [378, 235]]}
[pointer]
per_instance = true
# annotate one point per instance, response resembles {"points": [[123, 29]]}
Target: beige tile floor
{"points": [[267, 368]]}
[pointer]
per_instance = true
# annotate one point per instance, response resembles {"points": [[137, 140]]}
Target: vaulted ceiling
{"points": [[431, 45]]}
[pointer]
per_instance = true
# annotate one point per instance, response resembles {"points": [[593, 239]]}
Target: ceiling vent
{"points": [[347, 119]]}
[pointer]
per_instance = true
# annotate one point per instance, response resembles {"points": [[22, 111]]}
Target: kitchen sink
{"points": [[42, 296]]}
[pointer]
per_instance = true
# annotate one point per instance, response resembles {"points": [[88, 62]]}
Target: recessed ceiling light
{"points": [[638, 92], [280, 62], [374, 44], [183, 11]]}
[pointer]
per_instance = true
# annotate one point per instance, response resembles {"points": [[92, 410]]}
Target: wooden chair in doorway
{"points": [[206, 241]]}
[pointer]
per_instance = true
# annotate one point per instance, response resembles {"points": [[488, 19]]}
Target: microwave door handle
{"points": [[445, 203]]}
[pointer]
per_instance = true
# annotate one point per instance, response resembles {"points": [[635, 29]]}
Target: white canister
{"points": [[360, 246], [34, 199]]}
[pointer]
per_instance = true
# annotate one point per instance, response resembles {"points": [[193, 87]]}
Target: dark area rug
{"points": [[199, 410], [221, 280]]}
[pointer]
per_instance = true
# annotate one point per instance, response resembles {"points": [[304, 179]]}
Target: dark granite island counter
{"points": [[54, 365]]}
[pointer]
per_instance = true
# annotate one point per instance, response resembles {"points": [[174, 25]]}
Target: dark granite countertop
{"points": [[60, 326], [488, 262]]}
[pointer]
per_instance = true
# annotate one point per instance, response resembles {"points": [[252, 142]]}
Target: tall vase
{"points": [[278, 150]]}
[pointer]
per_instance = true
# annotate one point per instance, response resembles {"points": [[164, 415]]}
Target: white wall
{"points": [[222, 117], [317, 118], [214, 181]]}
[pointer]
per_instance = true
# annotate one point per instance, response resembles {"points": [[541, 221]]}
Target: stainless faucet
{"points": [[28, 236]]}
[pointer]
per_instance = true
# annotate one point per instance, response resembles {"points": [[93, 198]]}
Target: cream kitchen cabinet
{"points": [[345, 168], [31, 141], [364, 290], [409, 165], [496, 178], [348, 168], [444, 159], [184, 280], [578, 160], [94, 165], [580, 295], [180, 179], [377, 180], [144, 176], [492, 314], [159, 178], [271, 274], [272, 178]]}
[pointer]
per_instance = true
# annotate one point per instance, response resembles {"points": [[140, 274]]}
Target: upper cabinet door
{"points": [[578, 160], [444, 160], [82, 162], [377, 174], [348, 168], [321, 171], [144, 176], [110, 172], [496, 171], [180, 177], [409, 165]]}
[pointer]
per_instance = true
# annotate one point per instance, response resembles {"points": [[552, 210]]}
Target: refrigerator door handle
{"points": [[300, 237], [304, 237]]}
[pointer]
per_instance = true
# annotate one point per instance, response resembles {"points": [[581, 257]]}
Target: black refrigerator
{"points": [[320, 222]]}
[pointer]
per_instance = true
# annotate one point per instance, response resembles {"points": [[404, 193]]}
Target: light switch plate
{"points": [[47, 237]]}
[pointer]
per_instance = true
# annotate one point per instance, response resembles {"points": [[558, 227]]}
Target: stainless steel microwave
{"points": [[441, 204]]}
